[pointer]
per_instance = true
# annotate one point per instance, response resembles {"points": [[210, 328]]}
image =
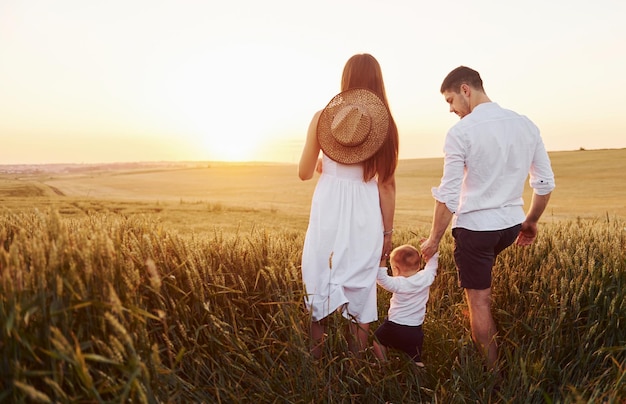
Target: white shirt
{"points": [[410, 294], [487, 157]]}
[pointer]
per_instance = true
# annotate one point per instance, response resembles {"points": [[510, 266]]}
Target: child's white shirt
{"points": [[410, 294]]}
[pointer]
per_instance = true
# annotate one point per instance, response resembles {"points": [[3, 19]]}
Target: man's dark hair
{"points": [[462, 75]]}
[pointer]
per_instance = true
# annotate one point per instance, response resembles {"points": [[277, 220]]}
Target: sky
{"points": [[95, 81]]}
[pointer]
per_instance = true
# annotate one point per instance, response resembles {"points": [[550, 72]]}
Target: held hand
{"points": [[429, 248], [387, 247], [527, 234]]}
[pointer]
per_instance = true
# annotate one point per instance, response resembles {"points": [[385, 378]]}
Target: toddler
{"points": [[402, 328]]}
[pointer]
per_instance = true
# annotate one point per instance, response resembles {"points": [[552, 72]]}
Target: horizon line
{"points": [[139, 162]]}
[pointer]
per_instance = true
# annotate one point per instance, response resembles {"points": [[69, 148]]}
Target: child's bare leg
{"points": [[318, 331]]}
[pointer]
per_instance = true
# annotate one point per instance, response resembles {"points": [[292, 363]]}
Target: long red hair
{"points": [[363, 70]]}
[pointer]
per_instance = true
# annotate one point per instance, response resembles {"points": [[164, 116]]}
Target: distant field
{"points": [[209, 197]]}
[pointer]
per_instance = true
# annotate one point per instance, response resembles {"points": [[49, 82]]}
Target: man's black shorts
{"points": [[475, 253]]}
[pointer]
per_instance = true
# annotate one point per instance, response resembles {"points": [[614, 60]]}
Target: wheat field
{"points": [[182, 284]]}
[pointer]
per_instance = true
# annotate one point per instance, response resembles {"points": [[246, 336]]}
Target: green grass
{"points": [[106, 307]]}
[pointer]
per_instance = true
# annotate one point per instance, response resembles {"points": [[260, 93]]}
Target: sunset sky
{"points": [[92, 81]]}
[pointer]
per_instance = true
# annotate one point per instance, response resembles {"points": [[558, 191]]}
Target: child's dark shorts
{"points": [[475, 253], [407, 338]]}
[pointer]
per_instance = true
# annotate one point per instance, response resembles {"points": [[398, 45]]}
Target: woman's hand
{"points": [[318, 166], [387, 247]]}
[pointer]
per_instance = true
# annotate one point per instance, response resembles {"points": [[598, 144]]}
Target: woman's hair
{"points": [[462, 75], [362, 70], [407, 256]]}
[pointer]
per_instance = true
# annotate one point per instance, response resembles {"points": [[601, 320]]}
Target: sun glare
{"points": [[222, 123], [230, 147]]}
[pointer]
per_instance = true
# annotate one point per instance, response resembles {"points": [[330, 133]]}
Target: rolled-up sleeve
{"points": [[449, 190], [541, 177]]}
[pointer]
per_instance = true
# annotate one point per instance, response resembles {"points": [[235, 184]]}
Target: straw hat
{"points": [[353, 126]]}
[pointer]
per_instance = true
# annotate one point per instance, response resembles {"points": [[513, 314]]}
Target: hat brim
{"points": [[379, 114]]}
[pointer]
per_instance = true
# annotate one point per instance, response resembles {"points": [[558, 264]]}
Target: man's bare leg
{"points": [[482, 324]]}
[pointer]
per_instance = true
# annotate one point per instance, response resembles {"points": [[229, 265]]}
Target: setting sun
{"points": [[234, 146], [222, 110]]}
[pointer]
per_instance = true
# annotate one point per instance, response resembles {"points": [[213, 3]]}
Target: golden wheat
{"points": [[109, 308]]}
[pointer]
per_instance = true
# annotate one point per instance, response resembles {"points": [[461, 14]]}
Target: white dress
{"points": [[344, 240]]}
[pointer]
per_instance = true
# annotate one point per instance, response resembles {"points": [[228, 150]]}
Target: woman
{"points": [[352, 209]]}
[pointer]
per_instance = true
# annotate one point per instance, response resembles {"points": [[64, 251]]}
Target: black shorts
{"points": [[407, 338], [475, 253]]}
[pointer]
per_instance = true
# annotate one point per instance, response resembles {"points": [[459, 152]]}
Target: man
{"points": [[488, 155]]}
